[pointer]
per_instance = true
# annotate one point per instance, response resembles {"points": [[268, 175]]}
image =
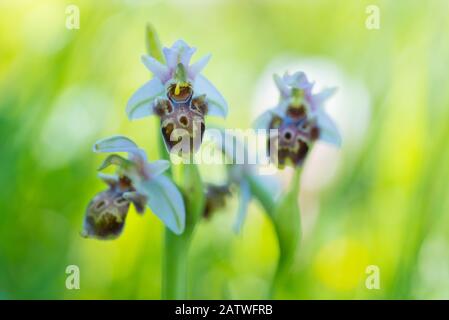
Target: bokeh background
{"points": [[382, 199]]}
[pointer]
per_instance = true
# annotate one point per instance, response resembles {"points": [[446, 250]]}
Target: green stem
{"points": [[176, 247], [174, 272], [285, 258], [174, 264]]}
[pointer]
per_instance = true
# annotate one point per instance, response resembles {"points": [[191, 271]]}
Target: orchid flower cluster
{"points": [[299, 119], [181, 97]]}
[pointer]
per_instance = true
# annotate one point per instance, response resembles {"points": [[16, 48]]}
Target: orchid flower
{"points": [[178, 94], [137, 181], [300, 119]]}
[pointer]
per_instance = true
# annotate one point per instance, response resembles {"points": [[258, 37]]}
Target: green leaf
{"points": [[153, 44]]}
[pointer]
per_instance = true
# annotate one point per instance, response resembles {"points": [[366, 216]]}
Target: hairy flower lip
{"points": [[185, 121], [174, 133], [106, 213]]}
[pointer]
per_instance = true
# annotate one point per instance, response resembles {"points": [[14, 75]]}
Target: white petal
{"points": [[115, 144], [328, 130], [157, 167], [158, 69], [198, 66], [245, 197], [166, 202], [216, 103], [141, 102]]}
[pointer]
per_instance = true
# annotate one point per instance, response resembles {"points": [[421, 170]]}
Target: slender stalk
{"points": [[174, 267], [286, 238], [176, 247]]}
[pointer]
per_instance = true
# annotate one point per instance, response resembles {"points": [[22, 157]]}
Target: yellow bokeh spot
{"points": [[340, 264]]}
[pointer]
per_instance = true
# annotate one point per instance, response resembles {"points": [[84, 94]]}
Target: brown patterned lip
{"points": [[182, 126]]}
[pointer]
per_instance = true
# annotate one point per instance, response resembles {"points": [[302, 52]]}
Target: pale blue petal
{"points": [[328, 130], [166, 202], [170, 57], [263, 121], [115, 144], [297, 80], [179, 44], [245, 198], [180, 52], [281, 85], [319, 98], [186, 55], [198, 66], [157, 167], [158, 69], [216, 103], [141, 102], [271, 183]]}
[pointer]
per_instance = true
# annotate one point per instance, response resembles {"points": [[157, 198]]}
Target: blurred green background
{"points": [[384, 199]]}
